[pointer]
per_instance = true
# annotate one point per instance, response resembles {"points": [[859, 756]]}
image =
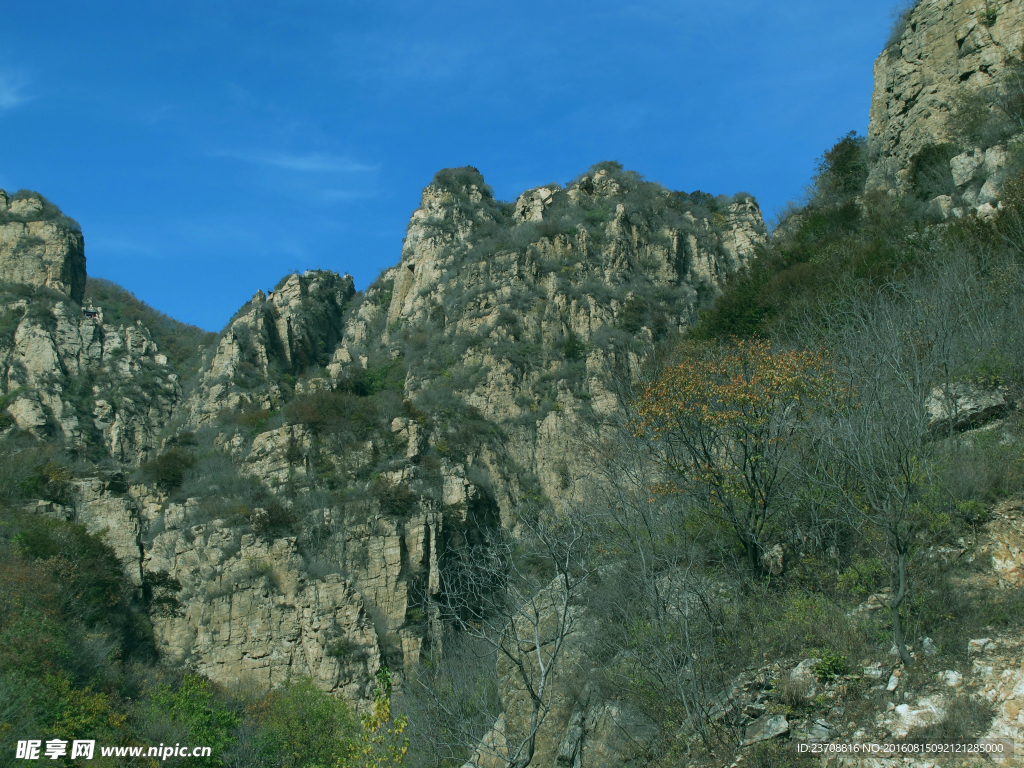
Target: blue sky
{"points": [[209, 148]]}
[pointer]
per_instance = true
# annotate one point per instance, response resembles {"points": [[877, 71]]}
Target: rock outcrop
{"points": [[39, 246], [945, 49], [67, 374], [573, 275], [276, 334], [334, 447]]}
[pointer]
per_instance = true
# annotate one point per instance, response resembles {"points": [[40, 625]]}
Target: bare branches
{"points": [[521, 600]]}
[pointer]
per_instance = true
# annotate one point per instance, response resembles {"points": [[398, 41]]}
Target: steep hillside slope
{"points": [[301, 491], [384, 428]]}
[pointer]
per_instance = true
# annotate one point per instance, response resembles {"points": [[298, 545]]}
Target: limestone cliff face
{"points": [[65, 373], [536, 307], [693, 250], [291, 328], [946, 48], [69, 375], [39, 246], [253, 607]]}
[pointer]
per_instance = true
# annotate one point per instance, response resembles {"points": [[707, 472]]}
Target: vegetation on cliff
{"points": [[603, 470]]}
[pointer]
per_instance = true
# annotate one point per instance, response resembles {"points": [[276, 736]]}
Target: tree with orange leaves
{"points": [[724, 420]]}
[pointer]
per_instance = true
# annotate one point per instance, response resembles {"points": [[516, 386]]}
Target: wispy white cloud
{"points": [[310, 162], [12, 90]]}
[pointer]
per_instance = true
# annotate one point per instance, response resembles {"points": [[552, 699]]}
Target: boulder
{"points": [[764, 728]]}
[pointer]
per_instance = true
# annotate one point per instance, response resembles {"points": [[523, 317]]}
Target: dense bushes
{"points": [[843, 236], [30, 471], [77, 661], [901, 18], [929, 173], [334, 412], [68, 624], [842, 170], [167, 470]]}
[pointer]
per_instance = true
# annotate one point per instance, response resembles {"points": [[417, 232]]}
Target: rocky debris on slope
{"points": [[996, 676], [946, 48], [979, 175], [1003, 541], [796, 701], [39, 246]]}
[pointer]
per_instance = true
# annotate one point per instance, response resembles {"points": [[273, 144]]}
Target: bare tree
{"points": [[900, 350], [658, 622], [520, 601], [451, 699]]}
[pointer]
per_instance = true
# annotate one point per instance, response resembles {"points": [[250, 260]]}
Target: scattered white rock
{"points": [[817, 731], [764, 728], [951, 678], [979, 646], [986, 211], [804, 671], [965, 165], [927, 711]]}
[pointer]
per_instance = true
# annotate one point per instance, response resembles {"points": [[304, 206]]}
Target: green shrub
{"points": [[395, 498], [901, 18], [843, 169], [182, 343], [206, 720], [75, 587], [334, 412], [48, 212], [168, 469], [296, 726], [340, 648], [990, 14], [573, 347], [831, 666], [929, 173]]}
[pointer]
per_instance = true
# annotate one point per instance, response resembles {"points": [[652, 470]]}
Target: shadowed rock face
{"points": [[947, 47], [39, 246]]}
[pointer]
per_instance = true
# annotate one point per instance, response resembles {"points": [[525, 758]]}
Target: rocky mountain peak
{"points": [[39, 246], [278, 333], [597, 182]]}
